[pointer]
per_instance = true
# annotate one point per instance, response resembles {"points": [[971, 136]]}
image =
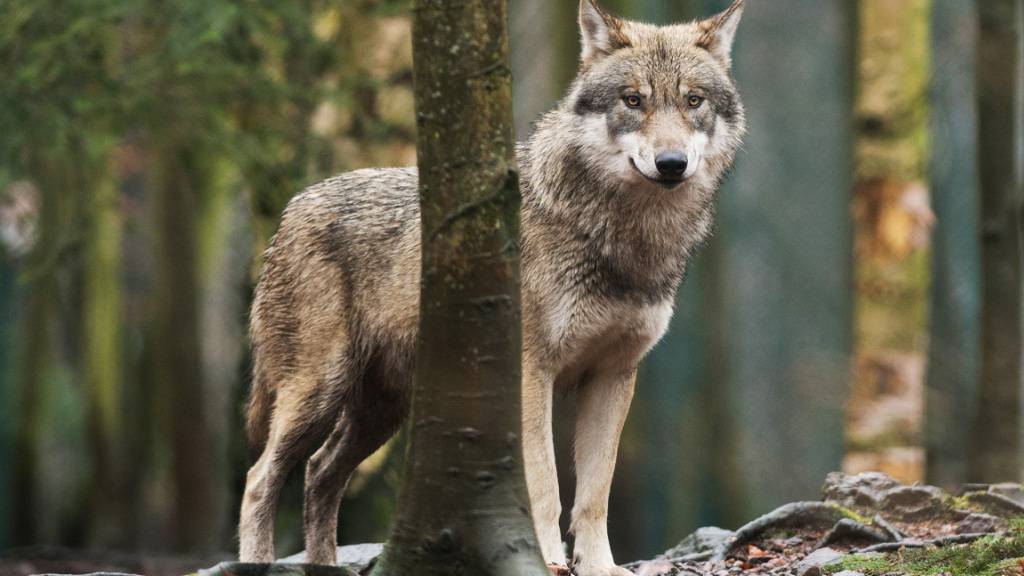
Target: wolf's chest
{"points": [[582, 328]]}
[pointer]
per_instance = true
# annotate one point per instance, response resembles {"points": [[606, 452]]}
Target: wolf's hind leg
{"points": [[601, 410], [361, 430], [259, 503]]}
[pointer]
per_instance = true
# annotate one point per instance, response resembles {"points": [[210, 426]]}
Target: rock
{"points": [[976, 523], [882, 493], [996, 504], [656, 567], [248, 569], [792, 542], [1009, 490], [912, 503], [355, 557], [815, 561], [860, 490], [704, 540]]}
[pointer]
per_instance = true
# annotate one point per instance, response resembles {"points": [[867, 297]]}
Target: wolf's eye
{"points": [[694, 101], [632, 101]]}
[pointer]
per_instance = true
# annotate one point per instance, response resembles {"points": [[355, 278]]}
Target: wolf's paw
{"points": [[584, 570]]}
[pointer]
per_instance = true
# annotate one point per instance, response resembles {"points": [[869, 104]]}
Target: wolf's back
{"points": [[343, 265]]}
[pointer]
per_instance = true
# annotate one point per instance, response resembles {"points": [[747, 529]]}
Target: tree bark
{"points": [[996, 432], [463, 508]]}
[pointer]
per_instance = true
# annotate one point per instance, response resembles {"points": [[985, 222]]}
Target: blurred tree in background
{"points": [[893, 220], [995, 432], [147, 149], [955, 334]]}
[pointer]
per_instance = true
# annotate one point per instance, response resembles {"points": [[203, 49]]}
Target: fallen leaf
{"points": [[557, 570]]}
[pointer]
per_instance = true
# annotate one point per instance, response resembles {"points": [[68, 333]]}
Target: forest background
{"points": [[843, 317]]}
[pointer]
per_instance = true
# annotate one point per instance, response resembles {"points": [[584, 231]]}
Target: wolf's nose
{"points": [[671, 164]]}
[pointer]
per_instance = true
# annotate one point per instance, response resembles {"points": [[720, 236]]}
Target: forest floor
{"points": [[865, 525]]}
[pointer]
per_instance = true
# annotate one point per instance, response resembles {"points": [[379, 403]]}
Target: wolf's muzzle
{"points": [[671, 164]]}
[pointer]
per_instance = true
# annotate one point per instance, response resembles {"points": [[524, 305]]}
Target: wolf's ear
{"points": [[600, 32], [717, 33]]}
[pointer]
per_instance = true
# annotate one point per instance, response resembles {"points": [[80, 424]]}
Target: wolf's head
{"points": [[657, 105]]}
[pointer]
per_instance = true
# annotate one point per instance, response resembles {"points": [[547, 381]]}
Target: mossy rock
{"points": [[991, 556]]}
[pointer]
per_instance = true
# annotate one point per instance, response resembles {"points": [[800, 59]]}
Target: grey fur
{"points": [[604, 249]]}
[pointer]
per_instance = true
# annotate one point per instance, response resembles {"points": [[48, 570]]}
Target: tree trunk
{"points": [[893, 222], [38, 346], [785, 256], [463, 507], [953, 351], [177, 352], [995, 453], [101, 362], [222, 250], [8, 296]]}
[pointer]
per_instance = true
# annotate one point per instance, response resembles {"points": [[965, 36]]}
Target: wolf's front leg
{"points": [[539, 461], [602, 404]]}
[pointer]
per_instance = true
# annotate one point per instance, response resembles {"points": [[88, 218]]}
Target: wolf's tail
{"points": [[258, 412]]}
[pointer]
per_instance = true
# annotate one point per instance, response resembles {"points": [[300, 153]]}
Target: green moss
{"points": [[886, 439], [852, 515], [964, 503], [866, 564], [992, 556]]}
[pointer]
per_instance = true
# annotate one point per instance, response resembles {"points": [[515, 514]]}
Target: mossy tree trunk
{"points": [[101, 353], [893, 222], [996, 432], [463, 508]]}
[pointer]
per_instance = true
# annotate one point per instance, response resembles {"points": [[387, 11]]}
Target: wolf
{"points": [[618, 186]]}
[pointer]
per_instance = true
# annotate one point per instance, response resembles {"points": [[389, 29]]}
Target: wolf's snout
{"points": [[671, 164]]}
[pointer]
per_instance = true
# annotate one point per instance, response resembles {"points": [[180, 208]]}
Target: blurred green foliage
{"points": [[237, 78]]}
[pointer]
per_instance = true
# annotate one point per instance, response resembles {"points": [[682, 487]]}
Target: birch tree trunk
{"points": [[463, 508], [995, 454]]}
